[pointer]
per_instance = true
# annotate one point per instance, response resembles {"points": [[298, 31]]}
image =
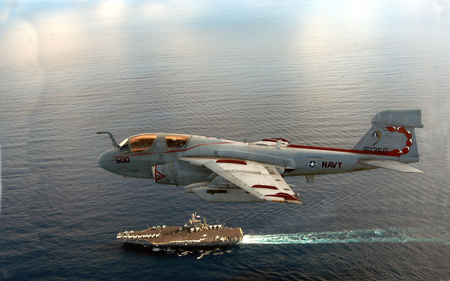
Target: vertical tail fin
{"points": [[392, 134]]}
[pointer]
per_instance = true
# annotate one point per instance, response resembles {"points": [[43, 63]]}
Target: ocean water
{"points": [[314, 72]]}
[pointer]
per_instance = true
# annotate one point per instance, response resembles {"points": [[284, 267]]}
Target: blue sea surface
{"points": [[314, 72]]}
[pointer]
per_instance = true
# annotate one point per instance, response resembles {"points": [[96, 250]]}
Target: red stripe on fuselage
{"points": [[389, 153], [327, 148], [394, 152]]}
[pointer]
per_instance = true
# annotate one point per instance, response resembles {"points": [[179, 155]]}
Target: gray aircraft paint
{"points": [[389, 143]]}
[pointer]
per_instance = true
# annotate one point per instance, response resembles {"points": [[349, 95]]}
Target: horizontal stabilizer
{"points": [[391, 165], [406, 118]]}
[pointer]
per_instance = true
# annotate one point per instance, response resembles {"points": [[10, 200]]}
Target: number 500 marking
{"points": [[122, 160]]}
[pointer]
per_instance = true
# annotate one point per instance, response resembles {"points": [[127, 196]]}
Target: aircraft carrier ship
{"points": [[194, 233]]}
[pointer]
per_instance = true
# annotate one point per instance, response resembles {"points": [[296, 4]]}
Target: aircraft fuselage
{"points": [[292, 160]]}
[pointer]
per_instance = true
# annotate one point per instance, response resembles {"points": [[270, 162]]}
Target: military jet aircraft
{"points": [[219, 170]]}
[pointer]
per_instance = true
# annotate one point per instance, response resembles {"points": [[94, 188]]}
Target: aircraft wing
{"points": [[391, 165], [258, 179]]}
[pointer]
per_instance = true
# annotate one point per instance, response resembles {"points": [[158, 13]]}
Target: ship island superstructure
{"points": [[194, 233]]}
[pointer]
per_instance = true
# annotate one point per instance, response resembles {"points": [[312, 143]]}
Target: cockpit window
{"points": [[125, 148], [141, 143], [176, 141]]}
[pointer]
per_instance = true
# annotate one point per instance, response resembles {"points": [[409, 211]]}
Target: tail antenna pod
{"points": [[114, 143]]}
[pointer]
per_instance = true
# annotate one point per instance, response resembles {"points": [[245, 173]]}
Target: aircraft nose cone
{"points": [[100, 159], [104, 160]]}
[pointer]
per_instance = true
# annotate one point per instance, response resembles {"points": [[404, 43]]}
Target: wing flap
{"points": [[391, 165]]}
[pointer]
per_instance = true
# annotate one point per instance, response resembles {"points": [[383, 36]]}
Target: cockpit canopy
{"points": [[141, 143], [176, 141]]}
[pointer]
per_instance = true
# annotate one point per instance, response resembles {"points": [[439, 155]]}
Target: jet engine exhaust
{"points": [[391, 235]]}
